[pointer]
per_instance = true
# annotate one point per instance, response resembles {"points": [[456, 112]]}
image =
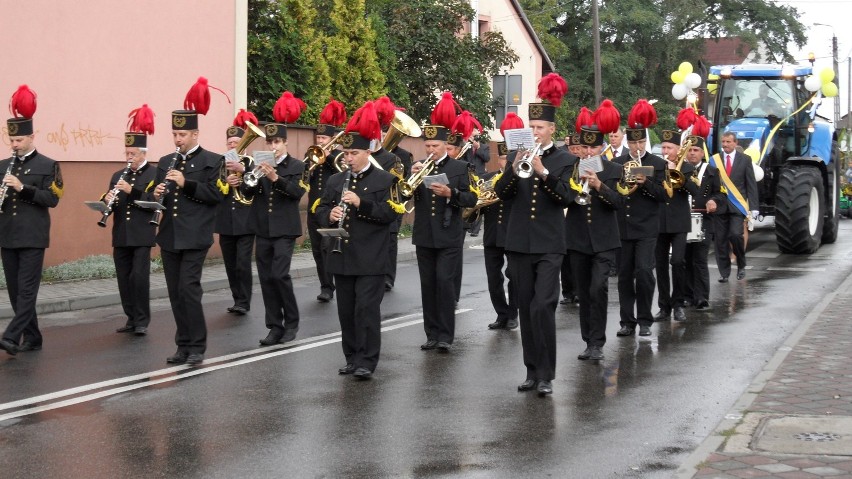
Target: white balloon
{"points": [[758, 172], [679, 91], [693, 80], [813, 83]]}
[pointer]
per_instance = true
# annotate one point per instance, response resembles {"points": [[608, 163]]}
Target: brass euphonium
{"points": [[675, 177], [401, 126], [252, 133]]}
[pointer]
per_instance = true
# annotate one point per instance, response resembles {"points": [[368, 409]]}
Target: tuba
{"points": [[401, 126], [251, 134]]}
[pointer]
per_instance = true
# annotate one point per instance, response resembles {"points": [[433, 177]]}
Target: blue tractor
{"points": [[801, 177]]}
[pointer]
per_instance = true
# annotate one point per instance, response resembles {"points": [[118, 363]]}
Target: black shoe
{"points": [[626, 331], [596, 354], [644, 330], [497, 325], [442, 347], [178, 358], [430, 344], [127, 328], [140, 331], [527, 385], [512, 324], [585, 354], [324, 297], [679, 315], [362, 373], [238, 310], [565, 300], [663, 315], [289, 335], [8, 346], [702, 306], [274, 337], [723, 279], [28, 346], [194, 359], [348, 369], [544, 388], [388, 286], [740, 274]]}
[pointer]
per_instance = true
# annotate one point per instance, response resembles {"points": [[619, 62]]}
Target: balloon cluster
{"points": [[822, 82], [684, 80]]}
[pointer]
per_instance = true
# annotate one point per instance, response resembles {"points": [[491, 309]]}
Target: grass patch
{"points": [[91, 267]]}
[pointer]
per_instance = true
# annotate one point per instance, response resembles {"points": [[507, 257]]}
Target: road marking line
{"points": [[793, 268], [213, 364]]}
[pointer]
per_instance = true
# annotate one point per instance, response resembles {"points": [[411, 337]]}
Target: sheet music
{"points": [[263, 156], [520, 139], [231, 155], [441, 179], [593, 163]]}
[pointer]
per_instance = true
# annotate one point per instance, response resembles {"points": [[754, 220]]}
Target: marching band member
{"points": [[639, 224], [535, 234], [674, 224], [366, 212], [276, 223], [32, 184], [235, 237], [132, 232], [331, 118], [187, 188], [438, 230]]}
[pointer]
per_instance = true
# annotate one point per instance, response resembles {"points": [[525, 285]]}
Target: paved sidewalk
{"points": [[795, 420]]}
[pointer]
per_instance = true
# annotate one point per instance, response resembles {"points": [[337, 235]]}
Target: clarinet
{"points": [[158, 214], [4, 189], [338, 241], [103, 222]]}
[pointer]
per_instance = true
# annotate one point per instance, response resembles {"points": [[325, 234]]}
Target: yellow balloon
{"points": [[685, 68], [677, 77], [829, 89], [711, 87], [826, 75]]}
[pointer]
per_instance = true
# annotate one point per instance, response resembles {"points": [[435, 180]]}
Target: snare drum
{"points": [[696, 233]]}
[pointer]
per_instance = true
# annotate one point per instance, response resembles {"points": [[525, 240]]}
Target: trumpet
{"points": [[4, 189], [158, 214], [111, 203], [468, 145], [316, 155], [407, 187], [583, 197], [524, 167]]}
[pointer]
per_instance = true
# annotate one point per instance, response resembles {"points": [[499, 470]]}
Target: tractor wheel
{"points": [[832, 211], [799, 210]]}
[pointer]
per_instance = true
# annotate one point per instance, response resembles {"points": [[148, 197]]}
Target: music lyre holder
{"points": [[333, 232]]}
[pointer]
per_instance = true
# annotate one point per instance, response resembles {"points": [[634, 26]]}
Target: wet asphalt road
{"points": [[284, 412]]}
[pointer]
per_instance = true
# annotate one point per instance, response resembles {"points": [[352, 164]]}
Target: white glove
{"points": [[754, 214]]}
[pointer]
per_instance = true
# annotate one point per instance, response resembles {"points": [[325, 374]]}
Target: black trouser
{"points": [[697, 283], [236, 253], [591, 274], [22, 268], [320, 249], [494, 260], [567, 276], [670, 293], [636, 281], [728, 232], [439, 268], [183, 280], [133, 273], [536, 278], [358, 306], [273, 271], [393, 251]]}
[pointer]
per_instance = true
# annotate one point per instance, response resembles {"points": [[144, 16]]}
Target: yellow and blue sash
{"points": [[734, 195]]}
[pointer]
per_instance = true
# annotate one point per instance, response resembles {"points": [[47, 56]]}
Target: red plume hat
{"points": [[22, 105], [362, 128], [331, 118], [140, 124]]}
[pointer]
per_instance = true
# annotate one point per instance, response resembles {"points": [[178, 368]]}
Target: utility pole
{"points": [[596, 42], [836, 77]]}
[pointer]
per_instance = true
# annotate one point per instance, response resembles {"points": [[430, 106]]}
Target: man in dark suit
{"points": [[190, 195], [535, 240], [361, 263], [132, 233], [592, 237], [32, 184], [439, 237], [276, 223], [729, 219], [674, 224], [639, 225], [710, 195]]}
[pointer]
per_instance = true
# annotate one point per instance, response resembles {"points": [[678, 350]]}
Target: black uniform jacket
{"points": [[639, 215], [405, 156], [388, 160], [190, 214], [437, 221], [232, 217], [275, 209], [709, 189], [593, 228], [319, 181], [130, 222], [536, 222], [742, 176], [25, 221], [496, 218], [365, 252], [675, 212]]}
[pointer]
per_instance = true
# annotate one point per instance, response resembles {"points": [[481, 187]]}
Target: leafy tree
{"points": [[351, 55]]}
